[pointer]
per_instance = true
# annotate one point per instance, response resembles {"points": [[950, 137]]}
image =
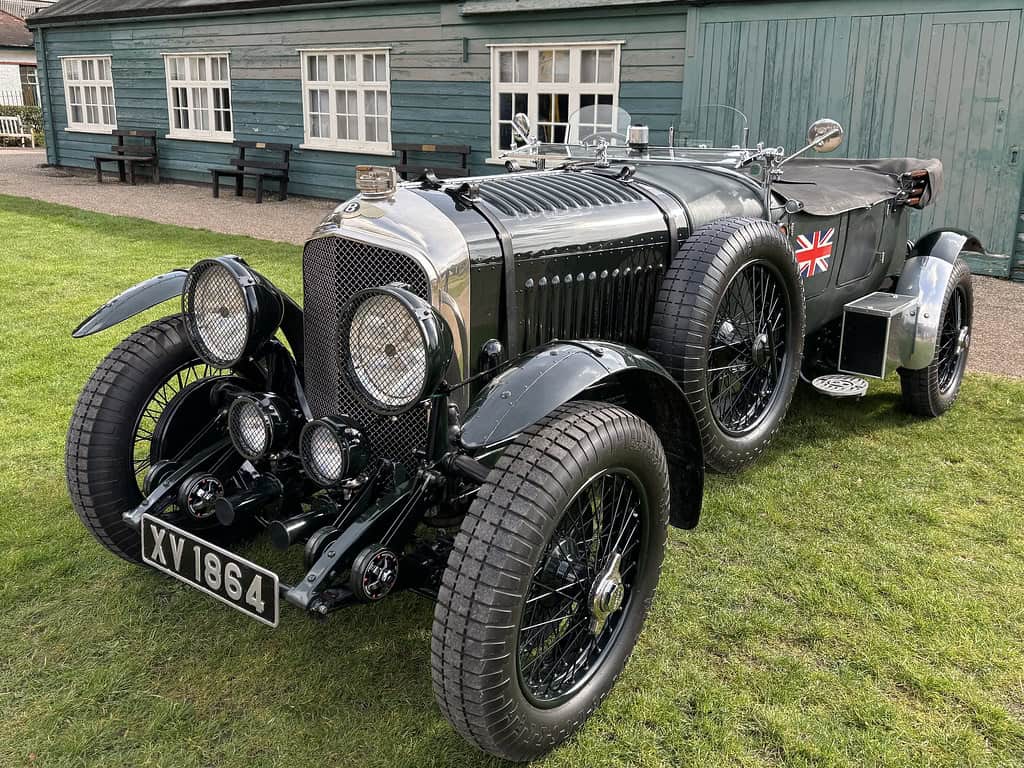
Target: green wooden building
{"points": [[344, 80]]}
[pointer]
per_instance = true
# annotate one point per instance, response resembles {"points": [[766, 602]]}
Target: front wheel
{"points": [[120, 428], [931, 391], [550, 579]]}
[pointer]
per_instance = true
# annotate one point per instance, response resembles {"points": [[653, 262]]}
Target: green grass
{"points": [[857, 599]]}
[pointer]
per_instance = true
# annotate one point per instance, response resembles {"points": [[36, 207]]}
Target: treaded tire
{"points": [[922, 392], [480, 605], [684, 314], [100, 437]]}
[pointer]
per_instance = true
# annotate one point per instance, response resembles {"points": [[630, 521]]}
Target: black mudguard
{"points": [[161, 288], [136, 299], [545, 378]]}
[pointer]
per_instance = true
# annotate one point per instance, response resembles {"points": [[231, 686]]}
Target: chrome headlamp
{"points": [[259, 424], [229, 310], [395, 348], [332, 450]]}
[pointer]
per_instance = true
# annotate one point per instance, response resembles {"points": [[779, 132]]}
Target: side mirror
{"points": [[825, 135], [521, 127]]}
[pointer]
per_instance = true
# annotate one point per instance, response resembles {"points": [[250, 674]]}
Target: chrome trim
{"points": [[407, 223]]}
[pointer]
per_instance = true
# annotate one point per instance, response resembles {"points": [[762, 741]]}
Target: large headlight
{"points": [[395, 348], [229, 310]]}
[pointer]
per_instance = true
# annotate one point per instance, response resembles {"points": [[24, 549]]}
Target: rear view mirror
{"points": [[825, 135], [521, 127]]}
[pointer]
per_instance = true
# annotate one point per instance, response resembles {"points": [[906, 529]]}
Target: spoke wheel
{"points": [[550, 579], [581, 587], [953, 340], [747, 351], [729, 325], [142, 457]]}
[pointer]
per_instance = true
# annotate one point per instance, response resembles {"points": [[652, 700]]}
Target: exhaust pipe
{"points": [[267, 490], [284, 533]]}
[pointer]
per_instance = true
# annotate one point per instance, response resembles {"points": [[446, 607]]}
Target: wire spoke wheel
{"points": [[747, 351], [141, 455], [952, 340], [581, 587]]}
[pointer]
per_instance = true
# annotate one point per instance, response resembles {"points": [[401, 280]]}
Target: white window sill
{"points": [[352, 149], [230, 139], [103, 131]]}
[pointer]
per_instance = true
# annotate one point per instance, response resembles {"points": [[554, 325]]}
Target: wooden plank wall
{"points": [[438, 94]]}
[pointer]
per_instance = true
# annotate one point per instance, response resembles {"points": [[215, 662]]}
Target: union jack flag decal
{"points": [[813, 252]]}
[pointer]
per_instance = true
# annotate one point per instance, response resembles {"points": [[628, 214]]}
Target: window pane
{"points": [[70, 70], [382, 129], [371, 129], [88, 69], [504, 106], [553, 66], [505, 136], [317, 70], [373, 67], [345, 68], [104, 71], [505, 67], [605, 66], [522, 66], [588, 66], [108, 115], [197, 68], [219, 68], [177, 66], [200, 105]]}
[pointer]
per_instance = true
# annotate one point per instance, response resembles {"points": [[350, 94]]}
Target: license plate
{"points": [[243, 585]]}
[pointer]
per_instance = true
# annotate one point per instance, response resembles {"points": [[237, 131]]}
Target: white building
{"points": [[18, 81]]}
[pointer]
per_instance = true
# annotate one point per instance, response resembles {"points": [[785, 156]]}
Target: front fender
{"points": [[131, 302], [167, 286], [926, 276], [547, 377]]}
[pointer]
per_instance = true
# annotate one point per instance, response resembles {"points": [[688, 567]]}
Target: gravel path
{"points": [[187, 205], [997, 342]]}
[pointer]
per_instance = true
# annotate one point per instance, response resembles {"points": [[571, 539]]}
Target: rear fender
{"points": [[552, 375], [161, 288], [926, 275]]}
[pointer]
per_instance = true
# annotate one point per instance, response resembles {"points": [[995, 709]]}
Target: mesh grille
{"points": [[333, 269]]}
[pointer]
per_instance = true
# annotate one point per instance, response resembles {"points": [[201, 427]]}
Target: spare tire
{"points": [[729, 325]]}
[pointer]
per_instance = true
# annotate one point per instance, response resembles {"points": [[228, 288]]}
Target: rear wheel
{"points": [[117, 432], [931, 391], [729, 325], [550, 580]]}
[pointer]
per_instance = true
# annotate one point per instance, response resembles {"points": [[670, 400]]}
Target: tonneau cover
{"points": [[828, 187]]}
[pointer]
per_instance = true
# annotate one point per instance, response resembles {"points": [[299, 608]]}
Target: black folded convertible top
{"points": [[828, 187]]}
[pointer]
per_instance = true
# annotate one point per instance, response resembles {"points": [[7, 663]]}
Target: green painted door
{"points": [[939, 84]]}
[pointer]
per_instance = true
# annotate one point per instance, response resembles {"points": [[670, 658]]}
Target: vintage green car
{"points": [[500, 391]]}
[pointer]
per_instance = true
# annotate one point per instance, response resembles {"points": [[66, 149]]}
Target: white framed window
{"points": [[89, 93], [549, 82], [346, 97], [199, 96]]}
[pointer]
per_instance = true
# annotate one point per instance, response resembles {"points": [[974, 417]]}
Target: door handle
{"points": [[1014, 154]]}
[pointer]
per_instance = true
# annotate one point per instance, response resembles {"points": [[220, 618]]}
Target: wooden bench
{"points": [[131, 154], [259, 168], [417, 170], [11, 127]]}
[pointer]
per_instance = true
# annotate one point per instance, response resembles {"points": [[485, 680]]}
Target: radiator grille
{"points": [[333, 269]]}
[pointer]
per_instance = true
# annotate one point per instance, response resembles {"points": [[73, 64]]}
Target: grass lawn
{"points": [[857, 599]]}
